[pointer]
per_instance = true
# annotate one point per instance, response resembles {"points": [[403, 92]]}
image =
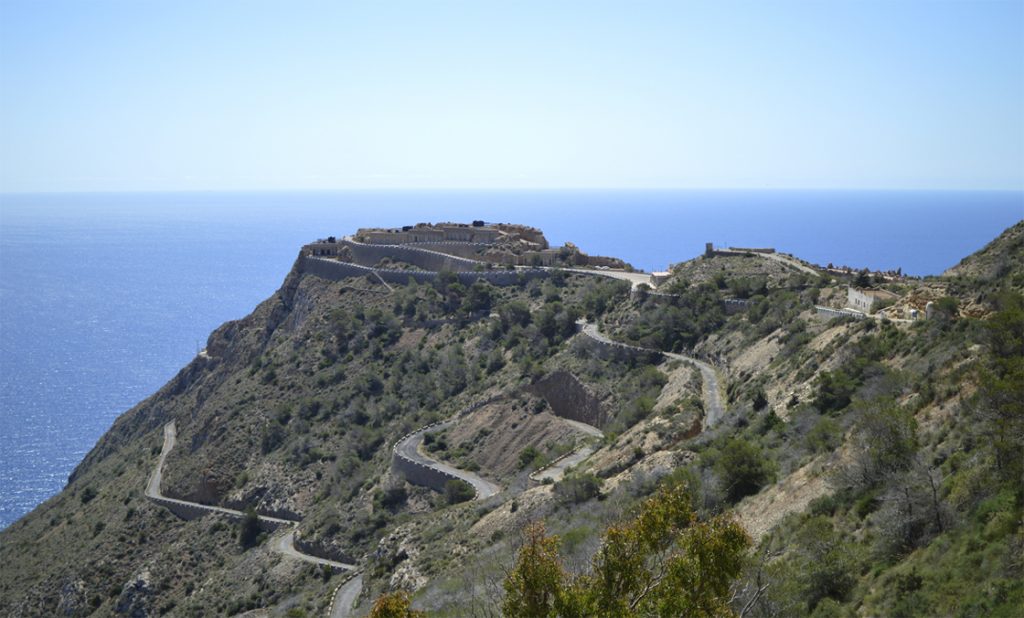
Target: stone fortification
{"points": [[710, 250], [476, 232], [334, 270], [569, 398], [370, 255]]}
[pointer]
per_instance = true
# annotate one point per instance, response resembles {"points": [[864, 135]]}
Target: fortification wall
{"points": [[334, 270], [569, 398], [467, 250], [753, 249], [371, 255]]}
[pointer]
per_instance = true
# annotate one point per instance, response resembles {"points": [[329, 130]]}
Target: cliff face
{"points": [[294, 410]]}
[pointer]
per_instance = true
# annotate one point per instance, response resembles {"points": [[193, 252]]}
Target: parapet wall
{"points": [[420, 474], [829, 312], [335, 270], [427, 476], [615, 351], [569, 398]]}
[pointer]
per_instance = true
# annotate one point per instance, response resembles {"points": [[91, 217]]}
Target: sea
{"points": [[104, 297]]}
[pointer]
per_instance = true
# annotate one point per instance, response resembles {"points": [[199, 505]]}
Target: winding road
{"points": [[713, 408], [283, 544], [634, 279], [556, 470], [409, 448], [345, 598]]}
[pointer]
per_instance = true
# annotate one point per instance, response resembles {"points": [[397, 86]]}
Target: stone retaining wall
{"points": [[829, 312], [424, 475], [190, 510], [569, 398], [615, 351], [420, 474], [319, 551], [335, 270]]}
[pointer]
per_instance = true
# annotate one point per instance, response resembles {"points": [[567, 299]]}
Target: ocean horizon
{"points": [[104, 297]]}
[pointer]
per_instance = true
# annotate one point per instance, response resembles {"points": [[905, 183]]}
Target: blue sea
{"points": [[104, 297]]}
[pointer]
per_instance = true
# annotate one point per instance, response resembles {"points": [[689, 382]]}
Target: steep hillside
{"points": [[1000, 261], [875, 463]]}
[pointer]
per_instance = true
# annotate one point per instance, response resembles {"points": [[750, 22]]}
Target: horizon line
{"points": [[623, 189]]}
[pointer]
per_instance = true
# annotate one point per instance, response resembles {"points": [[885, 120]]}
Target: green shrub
{"points": [[87, 495], [577, 488], [249, 529], [743, 468], [457, 490]]}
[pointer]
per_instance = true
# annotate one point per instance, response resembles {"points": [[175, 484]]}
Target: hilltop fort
{"points": [[508, 244]]}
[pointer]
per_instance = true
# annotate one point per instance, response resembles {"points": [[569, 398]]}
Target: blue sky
{"points": [[138, 95]]}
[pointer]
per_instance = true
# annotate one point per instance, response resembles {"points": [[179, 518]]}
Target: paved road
{"points": [[346, 597], [713, 408], [409, 447], [634, 279], [557, 469], [791, 262], [282, 543]]}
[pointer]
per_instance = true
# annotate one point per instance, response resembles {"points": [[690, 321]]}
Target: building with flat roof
{"points": [[865, 301]]}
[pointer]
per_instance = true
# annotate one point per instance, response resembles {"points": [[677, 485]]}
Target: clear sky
{"points": [[183, 95]]}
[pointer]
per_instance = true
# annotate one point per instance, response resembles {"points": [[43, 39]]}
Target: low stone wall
{"points": [[829, 312], [467, 250], [753, 249], [569, 398], [736, 305], [615, 351]]}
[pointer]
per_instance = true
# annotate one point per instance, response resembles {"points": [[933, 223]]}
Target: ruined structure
{"points": [[477, 232], [865, 301]]}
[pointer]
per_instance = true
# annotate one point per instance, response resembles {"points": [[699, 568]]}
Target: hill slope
{"points": [[873, 461]]}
